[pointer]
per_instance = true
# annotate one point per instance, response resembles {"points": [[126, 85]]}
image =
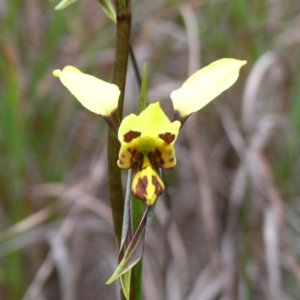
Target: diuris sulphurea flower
{"points": [[147, 144], [147, 140]]}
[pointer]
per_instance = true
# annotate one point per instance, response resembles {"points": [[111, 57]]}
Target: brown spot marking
{"points": [[171, 159], [157, 157], [167, 137], [131, 151], [134, 155], [137, 158], [158, 187], [140, 189], [131, 135]]}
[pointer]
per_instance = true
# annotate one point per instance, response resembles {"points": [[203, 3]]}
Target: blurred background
{"points": [[227, 226]]}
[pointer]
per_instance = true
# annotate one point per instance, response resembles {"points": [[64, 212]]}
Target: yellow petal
{"points": [[94, 94], [164, 155], [152, 122], [205, 85], [128, 155]]}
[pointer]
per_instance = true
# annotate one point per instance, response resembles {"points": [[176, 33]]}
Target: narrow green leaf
{"points": [[134, 252], [126, 236], [150, 216], [63, 4], [144, 90], [127, 215], [108, 9], [125, 283]]}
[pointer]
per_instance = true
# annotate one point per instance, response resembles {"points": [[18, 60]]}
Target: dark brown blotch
{"points": [[131, 135], [167, 137], [140, 189], [158, 187], [157, 157]]}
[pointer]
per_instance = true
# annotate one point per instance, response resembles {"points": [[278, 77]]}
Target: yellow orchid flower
{"points": [[147, 140], [147, 144]]}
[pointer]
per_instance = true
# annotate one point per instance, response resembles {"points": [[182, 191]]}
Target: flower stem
{"points": [[123, 9], [119, 78], [138, 206]]}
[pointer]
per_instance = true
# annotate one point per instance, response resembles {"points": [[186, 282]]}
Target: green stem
{"points": [[136, 281], [138, 206], [119, 78], [122, 48], [115, 186]]}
